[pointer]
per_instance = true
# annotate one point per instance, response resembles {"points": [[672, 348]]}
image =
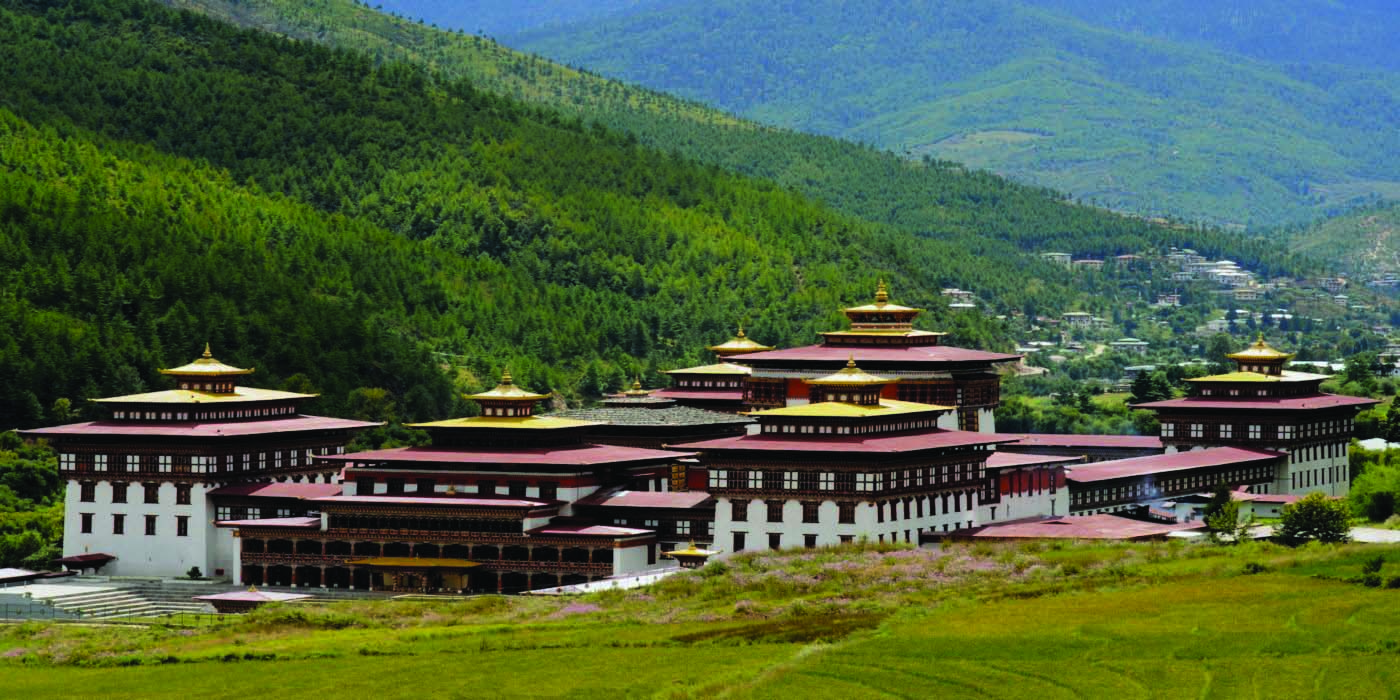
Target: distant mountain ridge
{"points": [[1134, 121]]}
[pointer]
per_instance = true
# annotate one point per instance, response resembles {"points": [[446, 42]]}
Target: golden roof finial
{"points": [[741, 331], [252, 589], [882, 293], [506, 379], [1260, 340], [452, 489], [851, 361], [637, 384], [207, 353]]}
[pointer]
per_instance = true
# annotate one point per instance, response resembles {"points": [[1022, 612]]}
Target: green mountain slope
{"points": [[495, 18], [1364, 241], [924, 197], [1356, 33], [1129, 121], [166, 179]]}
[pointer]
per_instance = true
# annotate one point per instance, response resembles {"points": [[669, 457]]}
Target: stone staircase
{"points": [[124, 602]]}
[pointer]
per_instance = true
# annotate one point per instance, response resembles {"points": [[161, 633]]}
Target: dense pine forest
{"points": [[925, 197], [1171, 124], [168, 179]]}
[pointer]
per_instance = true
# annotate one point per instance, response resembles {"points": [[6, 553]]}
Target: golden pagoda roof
{"points": [[1287, 376], [1260, 351], [738, 345], [882, 303], [692, 551], [207, 366], [184, 396], [842, 409], [636, 389], [851, 375], [508, 422], [721, 368], [508, 391]]}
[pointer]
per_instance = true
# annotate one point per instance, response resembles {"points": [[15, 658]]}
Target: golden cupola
{"points": [[740, 344]]}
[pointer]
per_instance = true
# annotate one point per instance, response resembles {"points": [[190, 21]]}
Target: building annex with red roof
{"points": [[1261, 405], [882, 339], [142, 482], [491, 505]]}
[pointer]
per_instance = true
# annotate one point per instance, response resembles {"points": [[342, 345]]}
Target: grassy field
{"points": [[1128, 621]]}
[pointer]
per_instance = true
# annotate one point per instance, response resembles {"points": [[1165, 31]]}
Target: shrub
{"points": [[1371, 580], [1394, 582], [1255, 567], [194, 573], [1314, 517], [1373, 565]]}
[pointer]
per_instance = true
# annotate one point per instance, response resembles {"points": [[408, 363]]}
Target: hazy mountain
{"points": [[497, 18], [1161, 122]]}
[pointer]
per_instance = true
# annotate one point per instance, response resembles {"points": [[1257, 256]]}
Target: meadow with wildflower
{"points": [[989, 620]]}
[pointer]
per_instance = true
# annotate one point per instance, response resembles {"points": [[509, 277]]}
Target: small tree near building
{"points": [[1314, 517]]}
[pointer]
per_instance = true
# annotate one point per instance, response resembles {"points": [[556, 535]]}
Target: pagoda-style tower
{"points": [[882, 338], [146, 480], [740, 344], [846, 465], [716, 387], [1261, 405], [489, 506]]}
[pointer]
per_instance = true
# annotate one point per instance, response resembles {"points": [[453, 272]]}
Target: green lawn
{"points": [[991, 621]]}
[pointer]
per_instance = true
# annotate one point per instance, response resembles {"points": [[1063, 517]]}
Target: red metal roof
{"points": [[571, 455], [1083, 527], [876, 353], [1025, 459], [86, 558], [1144, 442], [646, 499], [279, 490], [589, 529], [459, 501], [1292, 403], [849, 443], [1176, 461], [253, 596], [273, 522], [681, 394], [1284, 498], [197, 429]]}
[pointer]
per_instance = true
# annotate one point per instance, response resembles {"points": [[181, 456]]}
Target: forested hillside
{"points": [[496, 18], [1355, 33], [1363, 241], [166, 179], [1130, 121], [924, 197]]}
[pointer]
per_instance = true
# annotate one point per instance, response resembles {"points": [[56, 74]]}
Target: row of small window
{"points": [[196, 464], [679, 528], [1256, 432], [216, 387], [87, 492], [1319, 477], [800, 429], [811, 511], [511, 412], [682, 383], [548, 490], [223, 513], [775, 540], [182, 524], [1167, 487], [204, 415], [846, 482], [1333, 450]]}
